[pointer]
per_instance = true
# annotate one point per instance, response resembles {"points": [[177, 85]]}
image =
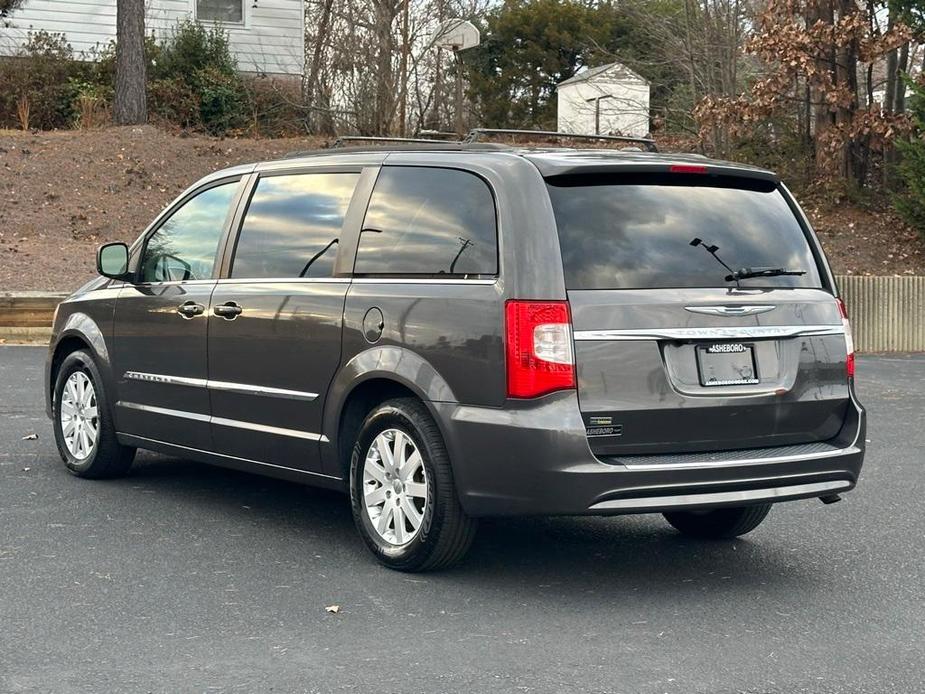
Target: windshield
{"points": [[635, 232]]}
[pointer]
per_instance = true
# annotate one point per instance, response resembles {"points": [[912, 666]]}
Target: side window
{"points": [[186, 245], [292, 226], [431, 222]]}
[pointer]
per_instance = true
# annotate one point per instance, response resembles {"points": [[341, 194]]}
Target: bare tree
{"points": [[130, 105]]}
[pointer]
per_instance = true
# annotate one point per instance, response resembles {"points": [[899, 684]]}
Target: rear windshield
{"points": [[635, 232]]}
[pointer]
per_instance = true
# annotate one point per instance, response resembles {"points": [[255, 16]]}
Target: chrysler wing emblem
{"points": [[732, 310]]}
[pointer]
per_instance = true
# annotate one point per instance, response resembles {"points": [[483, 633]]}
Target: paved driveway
{"points": [[184, 577]]}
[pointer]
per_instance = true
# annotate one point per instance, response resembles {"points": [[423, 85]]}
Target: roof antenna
{"points": [[712, 251]]}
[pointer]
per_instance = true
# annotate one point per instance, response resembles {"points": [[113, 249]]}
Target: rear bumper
{"points": [[534, 459]]}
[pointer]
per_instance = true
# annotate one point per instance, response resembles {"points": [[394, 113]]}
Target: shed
{"points": [[606, 100]]}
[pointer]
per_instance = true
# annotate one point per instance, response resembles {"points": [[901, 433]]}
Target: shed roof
{"points": [[618, 70]]}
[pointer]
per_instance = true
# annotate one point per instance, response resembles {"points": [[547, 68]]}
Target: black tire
{"points": [[446, 532], [719, 523], [108, 458]]}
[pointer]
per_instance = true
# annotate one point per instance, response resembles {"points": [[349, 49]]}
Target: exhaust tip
{"points": [[830, 499]]}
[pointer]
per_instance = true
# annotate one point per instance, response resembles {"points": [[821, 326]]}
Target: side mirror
{"points": [[112, 261]]}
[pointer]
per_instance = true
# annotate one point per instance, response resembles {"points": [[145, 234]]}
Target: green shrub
{"points": [[200, 58], [190, 48], [223, 104]]}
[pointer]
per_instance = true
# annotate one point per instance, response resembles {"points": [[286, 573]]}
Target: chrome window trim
{"points": [[742, 461], [421, 280], [227, 386], [172, 283], [284, 280], [222, 421], [715, 333]]}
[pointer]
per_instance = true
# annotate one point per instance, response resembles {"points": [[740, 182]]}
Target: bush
{"points": [[201, 60], [193, 83], [173, 102], [43, 76]]}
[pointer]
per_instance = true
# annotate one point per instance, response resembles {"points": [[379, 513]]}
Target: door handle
{"points": [[190, 309], [228, 311]]}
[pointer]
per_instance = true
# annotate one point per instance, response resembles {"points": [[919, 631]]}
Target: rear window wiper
{"points": [[749, 272]]}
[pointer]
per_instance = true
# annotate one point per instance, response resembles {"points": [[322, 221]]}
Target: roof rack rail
{"points": [[475, 133], [349, 139]]}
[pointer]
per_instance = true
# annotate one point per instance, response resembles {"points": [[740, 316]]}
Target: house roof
{"points": [[618, 70]]}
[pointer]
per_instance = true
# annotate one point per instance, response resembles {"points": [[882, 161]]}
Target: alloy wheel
{"points": [[394, 487], [79, 415]]}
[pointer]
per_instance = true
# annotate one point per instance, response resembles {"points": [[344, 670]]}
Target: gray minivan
{"points": [[454, 331]]}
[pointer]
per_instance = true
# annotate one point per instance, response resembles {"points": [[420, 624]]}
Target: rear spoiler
{"points": [[638, 162]]}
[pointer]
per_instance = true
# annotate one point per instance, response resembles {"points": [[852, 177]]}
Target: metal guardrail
{"points": [[887, 313]]}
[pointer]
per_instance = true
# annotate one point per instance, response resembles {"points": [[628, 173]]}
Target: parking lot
{"points": [[184, 577]]}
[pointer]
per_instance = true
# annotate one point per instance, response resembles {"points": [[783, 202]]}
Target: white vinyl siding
{"points": [[269, 41]]}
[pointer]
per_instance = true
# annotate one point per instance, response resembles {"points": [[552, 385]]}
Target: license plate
{"points": [[726, 364]]}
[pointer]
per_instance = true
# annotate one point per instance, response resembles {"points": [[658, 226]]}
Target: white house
{"points": [[266, 36], [606, 100]]}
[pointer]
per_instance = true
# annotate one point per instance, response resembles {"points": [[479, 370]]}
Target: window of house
{"points": [[430, 222], [226, 11], [292, 226]]}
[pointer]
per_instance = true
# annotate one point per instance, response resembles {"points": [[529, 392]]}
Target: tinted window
{"points": [[428, 221], [292, 226], [636, 232], [185, 246]]}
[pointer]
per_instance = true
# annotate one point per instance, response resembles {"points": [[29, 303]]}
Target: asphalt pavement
{"points": [[190, 578]]}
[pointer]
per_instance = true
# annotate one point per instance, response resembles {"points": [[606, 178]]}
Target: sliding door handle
{"points": [[228, 311]]}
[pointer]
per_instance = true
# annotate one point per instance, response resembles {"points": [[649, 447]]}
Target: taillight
{"points": [[539, 348], [688, 169], [849, 341]]}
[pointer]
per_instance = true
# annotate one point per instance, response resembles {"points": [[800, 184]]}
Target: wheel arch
{"points": [[368, 379], [79, 332]]}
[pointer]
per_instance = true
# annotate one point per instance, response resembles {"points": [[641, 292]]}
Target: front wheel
{"points": [[402, 493], [719, 523], [83, 425]]}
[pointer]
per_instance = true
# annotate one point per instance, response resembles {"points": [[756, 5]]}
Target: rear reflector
{"points": [[849, 340], [539, 348], [688, 169]]}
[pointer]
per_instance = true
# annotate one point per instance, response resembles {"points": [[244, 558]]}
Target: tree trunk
{"points": [[899, 105], [130, 104]]}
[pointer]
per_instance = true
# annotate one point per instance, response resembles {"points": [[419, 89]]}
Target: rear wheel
{"points": [[719, 523], [402, 493], [83, 425]]}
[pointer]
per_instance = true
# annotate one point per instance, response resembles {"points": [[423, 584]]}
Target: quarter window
{"points": [[186, 245], [292, 226], [430, 222], [229, 11]]}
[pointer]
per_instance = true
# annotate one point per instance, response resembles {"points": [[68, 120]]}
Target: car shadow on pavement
{"points": [[561, 554]]}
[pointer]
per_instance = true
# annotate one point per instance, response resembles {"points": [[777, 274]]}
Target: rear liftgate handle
{"points": [[229, 310]]}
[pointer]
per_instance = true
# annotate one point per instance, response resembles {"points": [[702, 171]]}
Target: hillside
{"points": [[63, 193]]}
